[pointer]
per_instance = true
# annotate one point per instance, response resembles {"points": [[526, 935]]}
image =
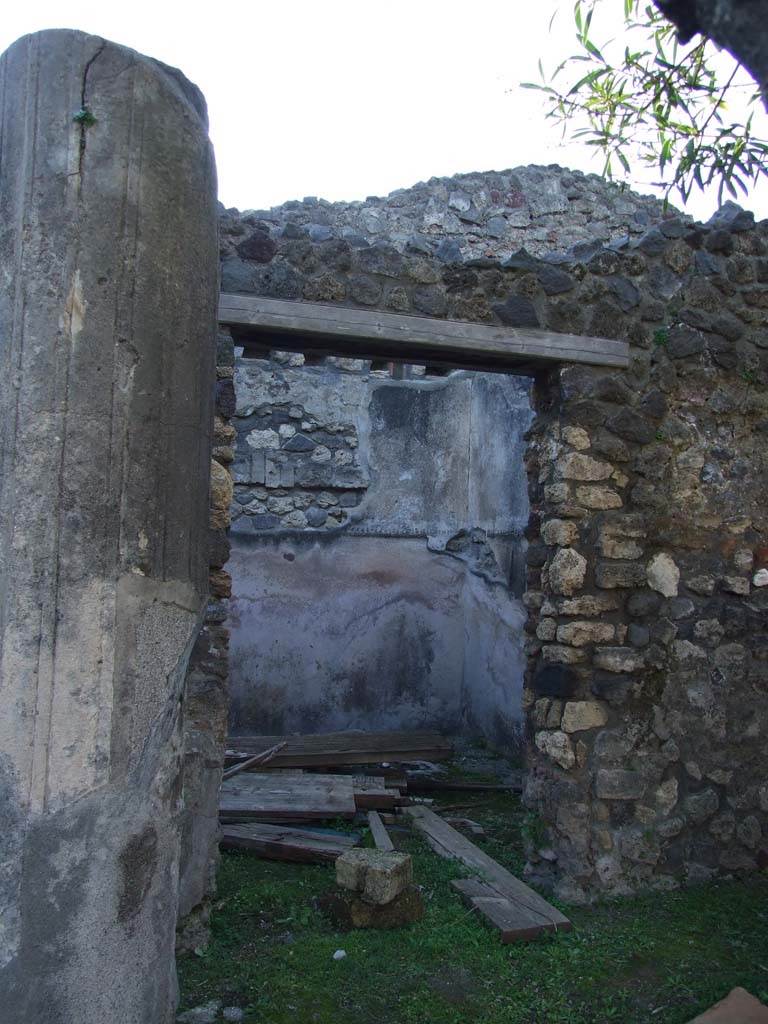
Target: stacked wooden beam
{"points": [[282, 842], [274, 786], [334, 750], [275, 782]]}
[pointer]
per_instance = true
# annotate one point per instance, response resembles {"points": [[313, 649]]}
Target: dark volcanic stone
{"points": [[697, 318], [316, 516], [680, 607], [278, 281], [719, 241], [225, 398], [684, 342], [536, 554], [553, 280], [430, 300], [459, 278], [449, 251], [643, 603], [728, 326], [611, 389], [662, 283], [379, 259], [626, 294], [258, 246], [364, 290], [299, 443], [517, 311], [521, 260], [673, 228], [722, 351], [218, 548], [706, 263], [419, 244], [653, 243], [605, 261], [337, 253], [733, 217], [632, 425], [236, 276], [292, 230], [555, 681], [319, 232], [654, 404], [242, 526], [225, 349], [611, 687], [638, 636]]}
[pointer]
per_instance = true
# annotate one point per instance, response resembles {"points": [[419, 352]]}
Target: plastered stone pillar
{"points": [[108, 287]]}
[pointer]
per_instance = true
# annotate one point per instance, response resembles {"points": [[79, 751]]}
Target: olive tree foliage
{"points": [[644, 95]]}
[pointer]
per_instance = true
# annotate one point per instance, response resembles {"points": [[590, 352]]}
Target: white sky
{"points": [[346, 98]]}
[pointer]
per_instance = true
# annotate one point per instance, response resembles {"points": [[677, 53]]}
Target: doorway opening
{"points": [[377, 546]]}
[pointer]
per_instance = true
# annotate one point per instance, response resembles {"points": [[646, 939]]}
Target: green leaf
{"points": [[593, 50]]}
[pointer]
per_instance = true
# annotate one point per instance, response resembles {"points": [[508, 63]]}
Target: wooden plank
{"points": [[379, 832], [327, 750], [370, 792], [266, 797], [449, 843], [425, 784], [513, 922], [373, 332], [252, 762], [277, 842], [738, 1007]]}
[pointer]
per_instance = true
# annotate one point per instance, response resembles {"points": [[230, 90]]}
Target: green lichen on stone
{"points": [[84, 117]]}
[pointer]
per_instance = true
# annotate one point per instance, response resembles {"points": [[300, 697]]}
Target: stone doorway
{"points": [[377, 550]]}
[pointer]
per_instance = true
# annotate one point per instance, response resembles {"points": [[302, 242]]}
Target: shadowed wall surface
{"points": [[376, 545]]}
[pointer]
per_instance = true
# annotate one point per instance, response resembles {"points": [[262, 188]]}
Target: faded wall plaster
{"points": [[400, 544]]}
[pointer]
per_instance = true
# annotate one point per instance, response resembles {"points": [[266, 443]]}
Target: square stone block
{"points": [[378, 875]]}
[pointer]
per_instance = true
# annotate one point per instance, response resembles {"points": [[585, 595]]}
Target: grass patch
{"points": [[654, 958]]}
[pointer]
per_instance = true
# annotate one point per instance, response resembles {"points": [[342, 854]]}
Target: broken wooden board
{"points": [[267, 797], [425, 784], [446, 841], [371, 793], [327, 750], [513, 922], [251, 763], [277, 842], [378, 831]]}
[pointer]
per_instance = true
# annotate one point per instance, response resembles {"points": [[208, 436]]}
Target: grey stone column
{"points": [[108, 289]]}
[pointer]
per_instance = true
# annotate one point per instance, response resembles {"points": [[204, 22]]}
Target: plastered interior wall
{"points": [[376, 549]]}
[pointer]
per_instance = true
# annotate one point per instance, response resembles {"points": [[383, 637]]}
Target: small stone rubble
{"points": [[468, 216], [376, 890], [294, 467]]}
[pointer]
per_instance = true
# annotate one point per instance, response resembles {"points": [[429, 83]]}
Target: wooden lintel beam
{"points": [[362, 332]]}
